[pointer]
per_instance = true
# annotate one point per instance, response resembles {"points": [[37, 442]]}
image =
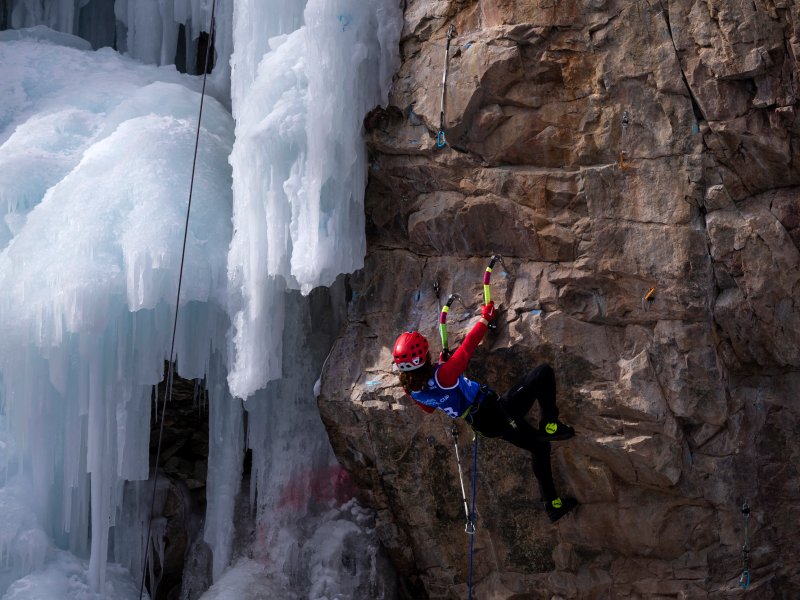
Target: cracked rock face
{"points": [[603, 147]]}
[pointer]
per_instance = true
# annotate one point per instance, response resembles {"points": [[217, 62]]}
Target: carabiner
{"points": [[744, 580], [469, 529]]}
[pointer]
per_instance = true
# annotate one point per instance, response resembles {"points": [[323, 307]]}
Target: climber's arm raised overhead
{"points": [[448, 373]]}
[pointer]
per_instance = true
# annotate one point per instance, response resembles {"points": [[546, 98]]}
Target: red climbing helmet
{"points": [[410, 351]]}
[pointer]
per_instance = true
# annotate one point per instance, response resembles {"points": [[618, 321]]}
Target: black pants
{"points": [[494, 416]]}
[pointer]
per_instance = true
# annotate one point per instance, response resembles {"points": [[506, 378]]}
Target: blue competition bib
{"points": [[453, 401]]}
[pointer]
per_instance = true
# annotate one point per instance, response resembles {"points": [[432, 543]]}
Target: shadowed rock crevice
{"points": [[181, 500]]}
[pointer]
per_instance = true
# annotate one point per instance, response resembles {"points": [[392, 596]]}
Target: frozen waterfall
{"points": [[96, 151], [95, 156], [299, 162]]}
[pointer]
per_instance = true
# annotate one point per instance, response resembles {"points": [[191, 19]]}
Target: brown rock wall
{"points": [[685, 406]]}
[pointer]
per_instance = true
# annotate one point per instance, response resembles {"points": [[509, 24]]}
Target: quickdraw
{"points": [[744, 578], [622, 144], [469, 528], [441, 142]]}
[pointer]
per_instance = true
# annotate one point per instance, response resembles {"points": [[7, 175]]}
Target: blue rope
{"points": [[472, 512]]}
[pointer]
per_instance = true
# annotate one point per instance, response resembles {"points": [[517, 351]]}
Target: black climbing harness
{"points": [[440, 139], [171, 371], [744, 578]]}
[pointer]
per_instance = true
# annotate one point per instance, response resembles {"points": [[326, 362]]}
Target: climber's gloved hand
{"points": [[488, 311]]}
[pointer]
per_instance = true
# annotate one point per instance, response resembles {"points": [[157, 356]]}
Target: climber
{"points": [[445, 387]]}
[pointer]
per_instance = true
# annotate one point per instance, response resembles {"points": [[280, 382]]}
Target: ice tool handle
{"points": [[443, 323], [487, 281]]}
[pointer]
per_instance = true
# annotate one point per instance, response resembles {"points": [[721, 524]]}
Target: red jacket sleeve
{"points": [[448, 373]]}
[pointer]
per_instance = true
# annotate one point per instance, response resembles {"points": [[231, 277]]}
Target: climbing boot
{"points": [[559, 507], [554, 431]]}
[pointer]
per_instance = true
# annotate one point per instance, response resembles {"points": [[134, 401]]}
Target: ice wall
{"points": [[299, 97], [95, 158], [309, 523], [147, 30], [98, 147], [299, 160]]}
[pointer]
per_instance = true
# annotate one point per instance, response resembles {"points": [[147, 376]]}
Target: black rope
{"points": [[171, 368]]}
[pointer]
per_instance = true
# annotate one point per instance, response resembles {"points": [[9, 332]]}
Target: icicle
{"points": [[225, 455], [299, 172], [88, 284]]}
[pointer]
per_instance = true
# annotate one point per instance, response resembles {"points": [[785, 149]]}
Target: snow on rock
{"points": [[65, 578]]}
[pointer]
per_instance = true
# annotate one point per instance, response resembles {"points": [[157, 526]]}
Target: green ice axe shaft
{"points": [[487, 278], [443, 324]]}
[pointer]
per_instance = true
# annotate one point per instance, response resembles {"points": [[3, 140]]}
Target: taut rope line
{"points": [[171, 369]]}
